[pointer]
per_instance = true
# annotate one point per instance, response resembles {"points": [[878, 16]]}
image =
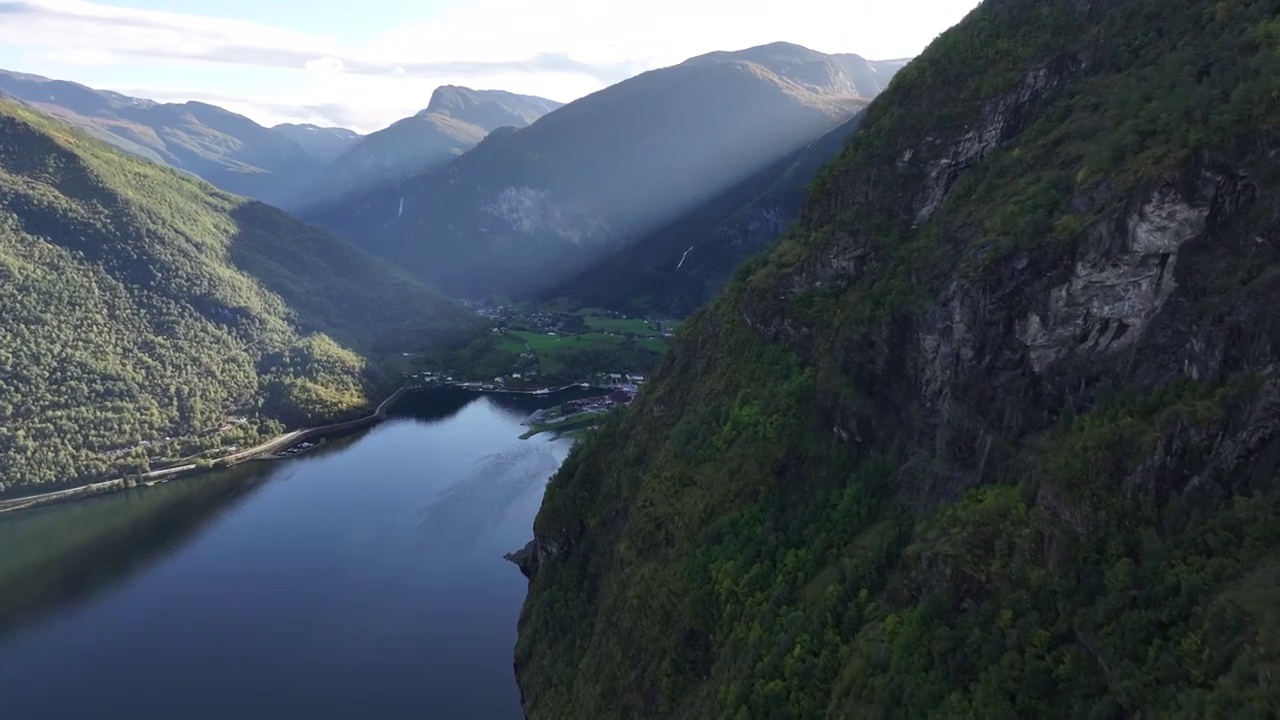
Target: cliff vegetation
{"points": [[992, 433]]}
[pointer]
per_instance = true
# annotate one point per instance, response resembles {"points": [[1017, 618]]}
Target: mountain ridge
{"points": [[523, 209], [224, 148], [455, 120]]}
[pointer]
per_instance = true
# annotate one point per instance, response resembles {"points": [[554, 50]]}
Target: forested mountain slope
{"points": [[991, 434], [681, 266], [526, 208], [143, 311]]}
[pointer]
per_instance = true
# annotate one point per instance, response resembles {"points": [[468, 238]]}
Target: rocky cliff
{"points": [[992, 433]]}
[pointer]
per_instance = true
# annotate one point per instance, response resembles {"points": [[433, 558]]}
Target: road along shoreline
{"points": [[259, 451]]}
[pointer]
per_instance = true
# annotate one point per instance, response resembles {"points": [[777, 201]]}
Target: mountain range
{"points": [[525, 212], [289, 165], [455, 121], [226, 149], [529, 207]]}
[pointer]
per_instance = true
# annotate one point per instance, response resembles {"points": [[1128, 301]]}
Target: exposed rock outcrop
{"points": [[526, 558]]}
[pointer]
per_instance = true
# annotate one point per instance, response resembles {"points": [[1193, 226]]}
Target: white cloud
{"points": [[81, 56], [560, 49], [325, 64]]}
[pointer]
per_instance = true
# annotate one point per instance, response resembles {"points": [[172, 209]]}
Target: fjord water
{"points": [[362, 580]]}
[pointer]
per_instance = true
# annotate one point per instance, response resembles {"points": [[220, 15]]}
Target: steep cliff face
{"points": [[992, 433]]}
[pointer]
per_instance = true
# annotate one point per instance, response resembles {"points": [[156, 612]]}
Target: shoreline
{"points": [[490, 390], [264, 451], [261, 451]]}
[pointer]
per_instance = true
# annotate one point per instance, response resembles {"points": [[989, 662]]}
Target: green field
{"points": [[563, 357], [511, 342], [557, 353], [606, 324], [543, 343]]}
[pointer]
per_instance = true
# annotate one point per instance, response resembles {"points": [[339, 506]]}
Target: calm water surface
{"points": [[363, 580]]}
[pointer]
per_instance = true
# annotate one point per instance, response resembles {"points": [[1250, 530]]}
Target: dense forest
{"points": [[991, 434], [148, 317]]}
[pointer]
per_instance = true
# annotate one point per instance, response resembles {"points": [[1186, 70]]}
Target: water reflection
{"points": [[362, 579], [52, 558], [461, 514]]}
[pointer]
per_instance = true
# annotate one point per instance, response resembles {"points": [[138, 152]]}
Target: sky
{"points": [[365, 63]]}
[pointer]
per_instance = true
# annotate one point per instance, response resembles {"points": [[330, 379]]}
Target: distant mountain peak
{"points": [[456, 120], [829, 75], [763, 54], [488, 108], [447, 97], [312, 128]]}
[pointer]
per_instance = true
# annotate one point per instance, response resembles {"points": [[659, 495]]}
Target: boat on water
{"points": [[302, 447]]}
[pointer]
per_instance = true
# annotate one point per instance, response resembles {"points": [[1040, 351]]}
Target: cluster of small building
{"points": [[620, 396], [622, 380], [518, 380], [426, 379], [571, 408], [502, 315]]}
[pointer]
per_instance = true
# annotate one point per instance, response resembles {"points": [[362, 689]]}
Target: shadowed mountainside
{"points": [[456, 120], [528, 207]]}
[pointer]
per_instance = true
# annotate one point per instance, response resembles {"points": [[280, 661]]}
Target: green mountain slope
{"points": [[991, 434], [141, 305]]}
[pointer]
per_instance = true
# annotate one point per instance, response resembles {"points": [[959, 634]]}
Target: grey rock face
{"points": [[1002, 119], [1112, 296], [533, 212], [999, 350]]}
